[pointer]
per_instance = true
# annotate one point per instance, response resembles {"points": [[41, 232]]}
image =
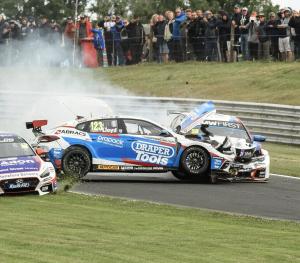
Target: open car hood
{"points": [[197, 116]]}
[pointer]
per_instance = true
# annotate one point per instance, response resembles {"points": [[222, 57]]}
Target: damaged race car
{"points": [[21, 168], [132, 145], [240, 155]]}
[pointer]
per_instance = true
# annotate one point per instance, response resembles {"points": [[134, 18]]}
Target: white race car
{"points": [[240, 155], [22, 170]]}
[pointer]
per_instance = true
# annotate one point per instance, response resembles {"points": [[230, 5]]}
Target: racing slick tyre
{"points": [[76, 162], [194, 165]]}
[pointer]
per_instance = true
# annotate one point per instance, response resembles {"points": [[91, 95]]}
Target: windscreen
{"points": [[220, 128], [14, 147]]}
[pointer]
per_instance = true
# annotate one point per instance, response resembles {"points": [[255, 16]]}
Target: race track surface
{"points": [[278, 199]]}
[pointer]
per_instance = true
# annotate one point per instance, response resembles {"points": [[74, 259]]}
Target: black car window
{"points": [[139, 127], [104, 125]]}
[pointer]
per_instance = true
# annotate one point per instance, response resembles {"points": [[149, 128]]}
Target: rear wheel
{"points": [[76, 162], [194, 165]]}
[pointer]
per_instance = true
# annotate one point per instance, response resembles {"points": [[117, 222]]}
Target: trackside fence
{"points": [[279, 123]]}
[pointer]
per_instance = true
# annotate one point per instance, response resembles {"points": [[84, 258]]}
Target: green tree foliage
{"points": [[54, 9]]}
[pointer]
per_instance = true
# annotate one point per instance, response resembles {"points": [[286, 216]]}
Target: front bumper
{"points": [[258, 169], [19, 185]]}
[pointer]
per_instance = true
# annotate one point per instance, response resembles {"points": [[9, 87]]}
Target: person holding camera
{"points": [[253, 40]]}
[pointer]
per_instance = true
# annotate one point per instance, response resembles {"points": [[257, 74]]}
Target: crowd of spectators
{"points": [[173, 36]]}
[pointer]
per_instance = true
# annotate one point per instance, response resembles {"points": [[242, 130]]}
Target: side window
{"points": [[105, 126], [138, 127]]}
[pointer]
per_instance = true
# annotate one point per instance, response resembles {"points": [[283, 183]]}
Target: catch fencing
{"points": [[279, 123]]}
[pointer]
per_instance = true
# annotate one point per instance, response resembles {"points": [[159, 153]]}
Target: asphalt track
{"points": [[278, 199]]}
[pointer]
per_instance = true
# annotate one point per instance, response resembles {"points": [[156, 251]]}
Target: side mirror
{"points": [[259, 138], [164, 133]]}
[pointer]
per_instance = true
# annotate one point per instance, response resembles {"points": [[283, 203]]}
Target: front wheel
{"points": [[194, 165], [76, 162]]}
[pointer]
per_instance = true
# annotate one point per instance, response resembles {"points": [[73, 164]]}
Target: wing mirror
{"points": [[259, 138], [164, 133]]}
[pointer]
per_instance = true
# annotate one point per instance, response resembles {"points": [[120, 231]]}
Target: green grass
{"points": [[74, 228], [285, 159], [256, 82]]}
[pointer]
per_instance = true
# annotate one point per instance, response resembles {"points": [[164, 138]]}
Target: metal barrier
{"points": [[279, 123]]}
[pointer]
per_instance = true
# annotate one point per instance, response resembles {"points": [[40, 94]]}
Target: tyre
{"points": [[194, 165], [76, 162]]}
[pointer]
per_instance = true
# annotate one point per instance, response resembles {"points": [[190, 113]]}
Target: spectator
{"points": [[253, 41], [98, 40], [44, 30], [109, 22], [236, 18], [284, 30], [263, 37], [136, 36], [118, 55], [211, 47], [159, 33], [244, 32], [273, 33], [153, 47], [224, 28], [180, 18], [168, 34], [295, 23]]}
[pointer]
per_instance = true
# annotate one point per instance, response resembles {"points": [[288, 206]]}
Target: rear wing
{"points": [[36, 126]]}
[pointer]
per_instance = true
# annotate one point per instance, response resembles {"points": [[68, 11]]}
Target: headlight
{"points": [[46, 173]]}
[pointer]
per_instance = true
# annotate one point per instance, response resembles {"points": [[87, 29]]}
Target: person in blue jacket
{"points": [[118, 54], [180, 18], [99, 42]]}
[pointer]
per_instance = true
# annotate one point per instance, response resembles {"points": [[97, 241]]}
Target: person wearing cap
{"points": [[284, 31], [211, 45], [263, 37], [273, 34], [295, 24], [244, 32]]}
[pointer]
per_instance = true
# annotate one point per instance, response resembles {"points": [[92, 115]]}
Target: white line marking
{"points": [[286, 176]]}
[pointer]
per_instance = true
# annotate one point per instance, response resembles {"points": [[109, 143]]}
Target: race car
{"points": [[22, 170], [127, 144]]}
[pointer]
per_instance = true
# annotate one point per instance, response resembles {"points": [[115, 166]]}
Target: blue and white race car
{"points": [[21, 168], [126, 144]]}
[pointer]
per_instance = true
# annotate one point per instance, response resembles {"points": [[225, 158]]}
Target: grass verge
{"points": [[285, 159], [74, 228], [257, 82]]}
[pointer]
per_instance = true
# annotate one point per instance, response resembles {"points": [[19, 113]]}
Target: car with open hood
{"points": [[135, 145]]}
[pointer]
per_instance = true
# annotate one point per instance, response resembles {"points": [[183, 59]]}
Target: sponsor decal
{"points": [[108, 167], [19, 165], [70, 132], [226, 124], [142, 168], [19, 184], [7, 140], [152, 153], [110, 141], [6, 163], [216, 163]]}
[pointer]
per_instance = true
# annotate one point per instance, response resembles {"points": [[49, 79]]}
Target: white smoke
{"points": [[36, 86]]}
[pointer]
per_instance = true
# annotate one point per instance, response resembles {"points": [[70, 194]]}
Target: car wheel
{"points": [[76, 162], [195, 163]]}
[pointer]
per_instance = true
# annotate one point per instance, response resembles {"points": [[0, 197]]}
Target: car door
{"points": [[106, 142], [147, 144]]}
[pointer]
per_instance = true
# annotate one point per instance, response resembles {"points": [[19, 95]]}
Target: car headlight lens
{"points": [[46, 173]]}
